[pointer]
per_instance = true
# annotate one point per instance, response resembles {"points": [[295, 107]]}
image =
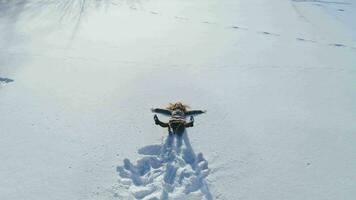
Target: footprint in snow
{"points": [[180, 17], [207, 22], [269, 33], [6, 80], [170, 170], [338, 45], [238, 27], [305, 40]]}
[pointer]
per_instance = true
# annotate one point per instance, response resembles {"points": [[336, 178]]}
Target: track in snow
{"points": [[5, 80], [170, 170]]}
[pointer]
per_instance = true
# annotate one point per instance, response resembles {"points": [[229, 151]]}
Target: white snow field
{"points": [[78, 79]]}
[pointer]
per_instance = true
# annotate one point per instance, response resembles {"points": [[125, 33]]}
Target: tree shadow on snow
{"points": [[58, 12], [170, 170]]}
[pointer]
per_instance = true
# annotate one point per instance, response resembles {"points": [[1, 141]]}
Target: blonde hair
{"points": [[177, 105]]}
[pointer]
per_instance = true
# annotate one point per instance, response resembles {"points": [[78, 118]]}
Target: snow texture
{"points": [[78, 77], [171, 170]]}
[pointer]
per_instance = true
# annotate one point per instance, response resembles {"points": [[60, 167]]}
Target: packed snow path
{"points": [[168, 171]]}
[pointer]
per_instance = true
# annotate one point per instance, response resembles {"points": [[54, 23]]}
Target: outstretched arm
{"points": [[194, 112], [160, 123], [161, 111]]}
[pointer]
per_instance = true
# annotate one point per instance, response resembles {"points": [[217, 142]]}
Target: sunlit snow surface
{"points": [[171, 170], [78, 79]]}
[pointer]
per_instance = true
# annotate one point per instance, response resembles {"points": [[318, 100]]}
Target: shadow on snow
{"points": [[170, 170]]}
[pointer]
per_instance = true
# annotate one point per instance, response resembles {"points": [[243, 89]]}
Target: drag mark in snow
{"points": [[170, 170], [5, 80]]}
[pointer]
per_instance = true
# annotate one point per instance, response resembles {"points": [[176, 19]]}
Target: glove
{"points": [[156, 119]]}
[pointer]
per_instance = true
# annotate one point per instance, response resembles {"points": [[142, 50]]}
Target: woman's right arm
{"points": [[161, 111]]}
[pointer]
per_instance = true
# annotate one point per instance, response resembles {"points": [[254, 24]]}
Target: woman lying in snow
{"points": [[178, 113]]}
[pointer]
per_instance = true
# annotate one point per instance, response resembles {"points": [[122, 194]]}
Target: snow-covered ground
{"points": [[78, 79]]}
